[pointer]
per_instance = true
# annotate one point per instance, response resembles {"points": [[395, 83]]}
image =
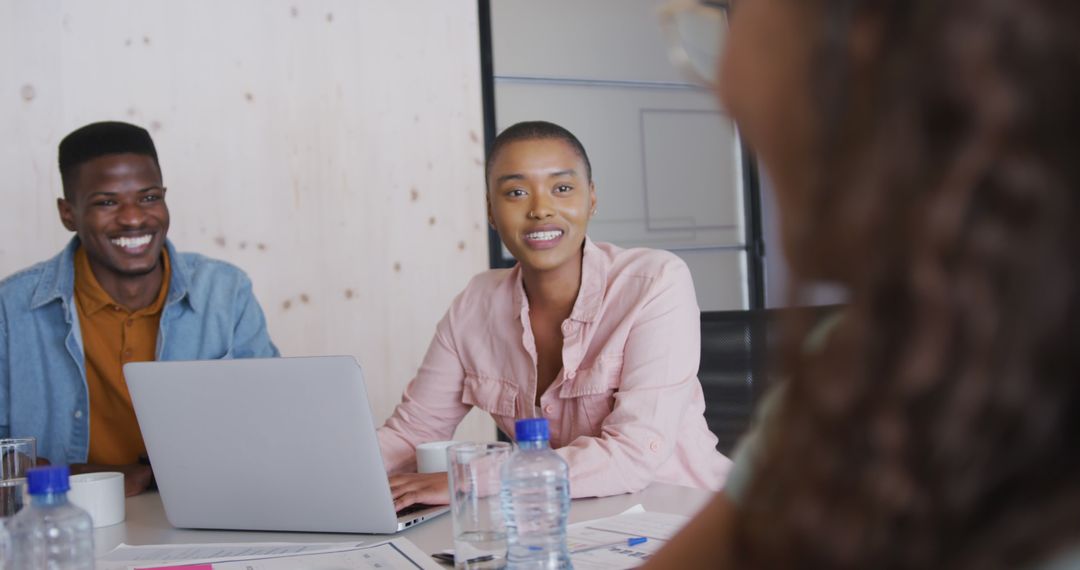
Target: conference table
{"points": [[145, 522]]}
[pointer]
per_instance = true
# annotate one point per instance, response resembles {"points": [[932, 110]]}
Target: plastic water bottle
{"points": [[535, 501], [50, 533]]}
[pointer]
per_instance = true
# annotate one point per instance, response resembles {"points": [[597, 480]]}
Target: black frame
{"points": [[755, 241], [487, 91], [755, 234]]}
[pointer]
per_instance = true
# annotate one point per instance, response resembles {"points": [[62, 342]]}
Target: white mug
{"points": [[431, 456], [101, 495]]}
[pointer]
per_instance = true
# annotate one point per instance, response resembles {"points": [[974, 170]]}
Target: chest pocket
{"points": [[495, 397], [591, 394]]}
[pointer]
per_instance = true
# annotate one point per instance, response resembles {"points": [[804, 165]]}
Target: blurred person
{"points": [[604, 342], [924, 155], [119, 292]]}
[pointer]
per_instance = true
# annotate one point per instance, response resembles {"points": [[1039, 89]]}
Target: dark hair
{"points": [[940, 426], [533, 130], [101, 139]]}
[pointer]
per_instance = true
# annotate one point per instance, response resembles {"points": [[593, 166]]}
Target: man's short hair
{"points": [[101, 139], [536, 130]]}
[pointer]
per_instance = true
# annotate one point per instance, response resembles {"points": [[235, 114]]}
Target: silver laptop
{"points": [[284, 444]]}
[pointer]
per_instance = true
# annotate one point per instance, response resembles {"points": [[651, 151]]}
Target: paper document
{"points": [[184, 552], [635, 522], [398, 553]]}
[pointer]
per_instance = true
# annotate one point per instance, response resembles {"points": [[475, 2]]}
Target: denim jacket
{"points": [[210, 312]]}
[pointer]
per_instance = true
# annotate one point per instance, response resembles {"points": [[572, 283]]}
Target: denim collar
{"points": [[57, 281]]}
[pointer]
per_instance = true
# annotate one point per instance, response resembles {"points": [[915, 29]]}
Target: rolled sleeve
{"points": [[251, 338]]}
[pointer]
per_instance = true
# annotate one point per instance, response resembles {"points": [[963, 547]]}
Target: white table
{"points": [[146, 524]]}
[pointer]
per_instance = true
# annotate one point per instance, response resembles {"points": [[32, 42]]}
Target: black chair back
{"points": [[739, 352]]}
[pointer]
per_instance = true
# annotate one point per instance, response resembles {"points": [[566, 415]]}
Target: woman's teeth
{"points": [[543, 236]]}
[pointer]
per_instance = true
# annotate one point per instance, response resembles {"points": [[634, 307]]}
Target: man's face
{"points": [[118, 210], [540, 201]]}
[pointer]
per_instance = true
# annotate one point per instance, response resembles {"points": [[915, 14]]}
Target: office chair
{"points": [[739, 359]]}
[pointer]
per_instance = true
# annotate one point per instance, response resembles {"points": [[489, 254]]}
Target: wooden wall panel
{"points": [[332, 149]]}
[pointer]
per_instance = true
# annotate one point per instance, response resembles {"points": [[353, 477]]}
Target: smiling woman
{"points": [[601, 341]]}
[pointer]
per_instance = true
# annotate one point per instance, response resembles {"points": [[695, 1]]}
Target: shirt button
{"points": [[78, 413], [655, 446], [130, 322], [567, 328], [117, 308], [127, 353], [570, 375], [549, 408]]}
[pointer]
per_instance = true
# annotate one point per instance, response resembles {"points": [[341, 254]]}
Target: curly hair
{"points": [[940, 426]]}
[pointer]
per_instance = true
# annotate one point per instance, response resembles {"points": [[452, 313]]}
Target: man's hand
{"points": [[137, 477], [424, 488]]}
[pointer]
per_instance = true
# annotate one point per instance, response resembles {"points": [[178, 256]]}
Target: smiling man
{"points": [[119, 292]]}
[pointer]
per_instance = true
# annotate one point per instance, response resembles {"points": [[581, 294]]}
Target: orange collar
{"points": [[94, 298]]}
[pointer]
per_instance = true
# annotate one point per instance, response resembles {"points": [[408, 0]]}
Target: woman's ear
{"points": [[592, 199]]}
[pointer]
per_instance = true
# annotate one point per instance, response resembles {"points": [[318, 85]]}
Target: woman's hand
{"points": [[424, 488]]}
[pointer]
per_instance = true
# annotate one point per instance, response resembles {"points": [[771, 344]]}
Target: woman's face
{"points": [[540, 200], [764, 83]]}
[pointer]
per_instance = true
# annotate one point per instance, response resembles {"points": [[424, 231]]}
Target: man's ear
{"points": [[67, 214]]}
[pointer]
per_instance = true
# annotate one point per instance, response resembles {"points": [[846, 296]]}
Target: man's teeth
{"points": [[543, 236], [131, 243]]}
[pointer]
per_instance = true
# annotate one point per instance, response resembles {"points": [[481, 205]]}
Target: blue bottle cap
{"points": [[46, 480], [532, 429]]}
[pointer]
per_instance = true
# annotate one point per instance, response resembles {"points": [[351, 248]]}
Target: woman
{"points": [[604, 342], [925, 156]]}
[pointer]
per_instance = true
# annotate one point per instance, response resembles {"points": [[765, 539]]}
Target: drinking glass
{"points": [[17, 456], [479, 531]]}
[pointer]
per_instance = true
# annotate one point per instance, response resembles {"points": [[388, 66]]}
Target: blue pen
{"points": [[634, 541]]}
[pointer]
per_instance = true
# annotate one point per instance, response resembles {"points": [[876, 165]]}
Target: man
{"points": [[119, 292]]}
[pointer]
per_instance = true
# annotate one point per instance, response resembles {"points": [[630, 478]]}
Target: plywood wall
{"points": [[332, 149]]}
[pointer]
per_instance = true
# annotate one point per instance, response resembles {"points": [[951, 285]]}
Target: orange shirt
{"points": [[112, 336]]}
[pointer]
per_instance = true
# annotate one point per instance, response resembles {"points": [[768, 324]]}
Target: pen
{"points": [[448, 557], [627, 542]]}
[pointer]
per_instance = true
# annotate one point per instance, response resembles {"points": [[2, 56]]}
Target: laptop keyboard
{"points": [[412, 509]]}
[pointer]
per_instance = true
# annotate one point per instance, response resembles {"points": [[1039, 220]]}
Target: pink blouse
{"points": [[627, 408]]}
